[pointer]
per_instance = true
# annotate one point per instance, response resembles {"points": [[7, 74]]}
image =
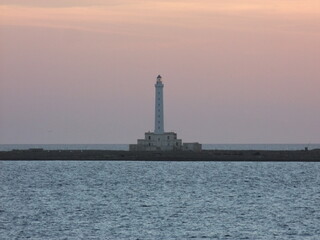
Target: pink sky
{"points": [[234, 71]]}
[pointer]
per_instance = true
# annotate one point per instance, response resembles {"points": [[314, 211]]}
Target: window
{"points": [[168, 137], [149, 137]]}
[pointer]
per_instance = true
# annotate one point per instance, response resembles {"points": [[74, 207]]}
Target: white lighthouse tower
{"points": [[159, 124], [159, 140]]}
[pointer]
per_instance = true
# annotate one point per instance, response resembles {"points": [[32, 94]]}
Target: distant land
{"points": [[125, 147]]}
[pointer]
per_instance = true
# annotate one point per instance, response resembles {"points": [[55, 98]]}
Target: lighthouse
{"points": [[159, 140], [159, 124]]}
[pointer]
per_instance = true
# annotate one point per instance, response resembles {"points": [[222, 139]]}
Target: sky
{"points": [[235, 71]]}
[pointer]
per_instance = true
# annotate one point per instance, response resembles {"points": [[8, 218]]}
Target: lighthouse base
{"points": [[157, 142], [163, 142]]}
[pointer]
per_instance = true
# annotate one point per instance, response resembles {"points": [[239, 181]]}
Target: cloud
{"points": [[163, 17], [279, 6], [61, 3]]}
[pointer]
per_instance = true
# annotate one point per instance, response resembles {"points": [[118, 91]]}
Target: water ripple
{"points": [[159, 200]]}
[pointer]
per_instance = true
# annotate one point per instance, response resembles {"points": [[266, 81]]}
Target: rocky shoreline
{"points": [[204, 155]]}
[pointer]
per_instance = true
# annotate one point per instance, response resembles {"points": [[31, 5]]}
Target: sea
{"points": [[45, 200]]}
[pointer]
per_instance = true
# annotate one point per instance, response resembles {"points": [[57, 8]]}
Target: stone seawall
{"points": [[205, 155]]}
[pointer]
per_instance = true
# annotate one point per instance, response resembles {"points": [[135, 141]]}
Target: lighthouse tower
{"points": [[159, 124], [159, 140]]}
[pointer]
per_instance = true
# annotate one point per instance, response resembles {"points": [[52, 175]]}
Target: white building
{"points": [[159, 140], [158, 118]]}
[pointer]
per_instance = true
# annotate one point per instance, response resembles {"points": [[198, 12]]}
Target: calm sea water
{"points": [[9, 147], [159, 200]]}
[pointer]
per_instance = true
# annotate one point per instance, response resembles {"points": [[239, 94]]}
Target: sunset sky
{"points": [[235, 71]]}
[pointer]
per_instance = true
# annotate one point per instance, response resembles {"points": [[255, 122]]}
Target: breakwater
{"points": [[205, 155]]}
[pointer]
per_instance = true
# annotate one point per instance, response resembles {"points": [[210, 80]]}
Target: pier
{"points": [[204, 155]]}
